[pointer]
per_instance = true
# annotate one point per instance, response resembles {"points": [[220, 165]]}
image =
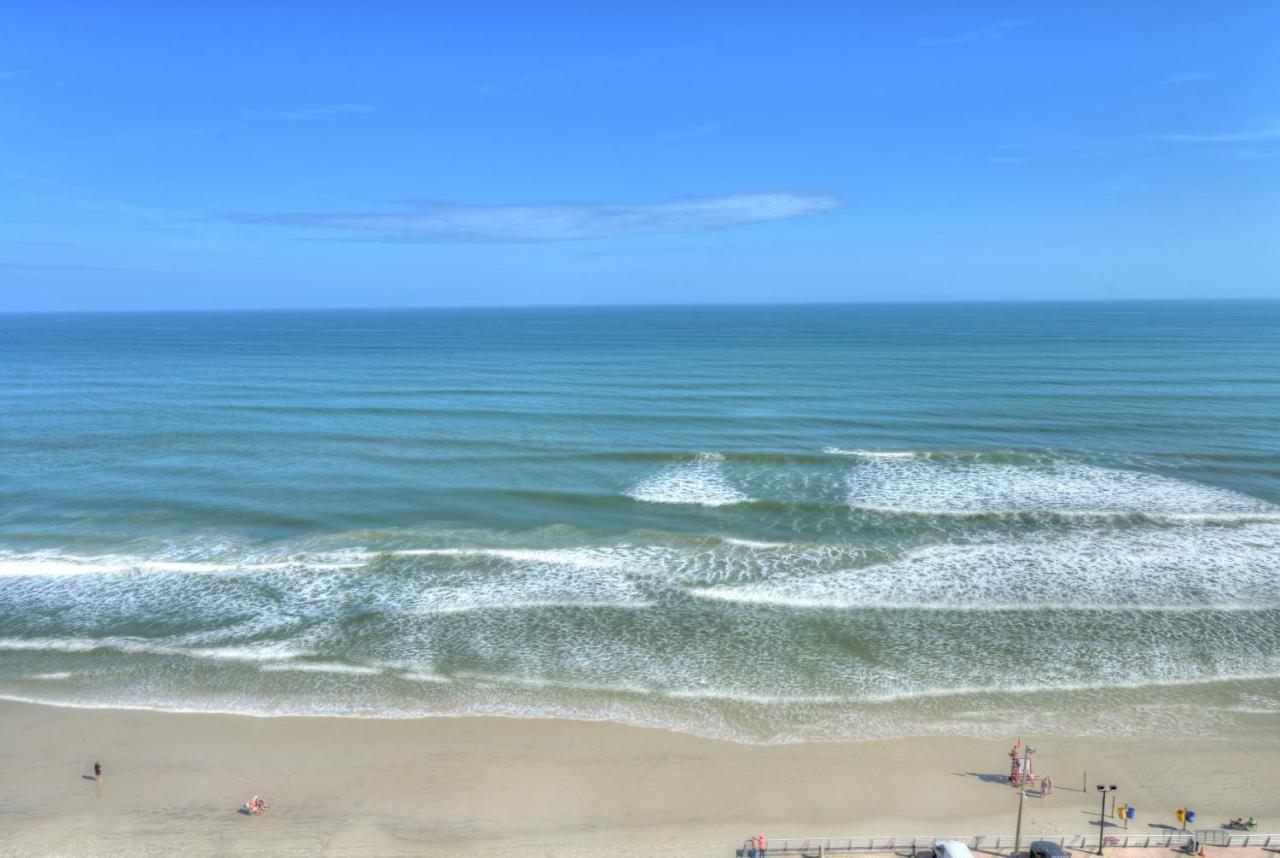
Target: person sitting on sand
{"points": [[256, 806]]}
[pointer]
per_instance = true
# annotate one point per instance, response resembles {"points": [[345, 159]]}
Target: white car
{"points": [[951, 849]]}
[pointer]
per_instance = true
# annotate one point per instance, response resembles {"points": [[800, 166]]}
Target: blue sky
{"points": [[188, 155]]}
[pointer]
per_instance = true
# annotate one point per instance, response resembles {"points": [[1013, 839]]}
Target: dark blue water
{"points": [[765, 523]]}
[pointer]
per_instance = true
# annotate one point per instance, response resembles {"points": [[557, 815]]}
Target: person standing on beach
{"points": [[97, 770]]}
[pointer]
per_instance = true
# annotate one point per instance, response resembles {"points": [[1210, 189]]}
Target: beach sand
{"points": [[472, 786]]}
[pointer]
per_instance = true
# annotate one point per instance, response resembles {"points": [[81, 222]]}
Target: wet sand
{"points": [[174, 784]]}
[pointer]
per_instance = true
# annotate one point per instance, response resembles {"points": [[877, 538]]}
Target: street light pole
{"points": [[1102, 813], [1022, 794]]}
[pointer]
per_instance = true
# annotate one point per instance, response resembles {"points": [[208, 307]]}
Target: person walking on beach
{"points": [[97, 770]]}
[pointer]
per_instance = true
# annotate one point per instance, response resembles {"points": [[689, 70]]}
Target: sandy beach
{"points": [[471, 786]]}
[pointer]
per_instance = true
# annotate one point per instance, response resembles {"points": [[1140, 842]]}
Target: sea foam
{"points": [[929, 486], [701, 482], [1169, 568]]}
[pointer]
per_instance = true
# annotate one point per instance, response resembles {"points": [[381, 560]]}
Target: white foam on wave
{"points": [[873, 454], [932, 487], [258, 652], [420, 676], [753, 543], [699, 692], [586, 577], [541, 682], [319, 667], [524, 591], [700, 483], [50, 644], [1191, 567], [272, 651], [1257, 704], [583, 558], [57, 564], [624, 665], [745, 717], [605, 575]]}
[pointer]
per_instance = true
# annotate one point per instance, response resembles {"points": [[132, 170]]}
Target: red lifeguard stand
{"points": [[1021, 768]]}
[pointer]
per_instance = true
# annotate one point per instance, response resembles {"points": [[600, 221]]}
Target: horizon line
{"points": [[342, 308]]}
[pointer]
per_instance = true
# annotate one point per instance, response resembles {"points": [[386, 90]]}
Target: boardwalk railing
{"points": [[914, 844]]}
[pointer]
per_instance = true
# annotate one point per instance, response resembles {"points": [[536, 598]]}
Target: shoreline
{"points": [[483, 784]]}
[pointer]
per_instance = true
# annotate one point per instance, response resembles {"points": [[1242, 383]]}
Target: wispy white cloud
{"points": [[1186, 77], [1249, 135], [1257, 155], [450, 222], [991, 33], [323, 112]]}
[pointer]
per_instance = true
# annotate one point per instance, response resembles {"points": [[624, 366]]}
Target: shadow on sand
{"points": [[986, 779]]}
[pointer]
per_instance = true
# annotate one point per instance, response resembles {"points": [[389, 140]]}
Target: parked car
{"points": [[950, 849], [1047, 849]]}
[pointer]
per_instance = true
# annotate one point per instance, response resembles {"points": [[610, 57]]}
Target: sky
{"points": [[323, 154]]}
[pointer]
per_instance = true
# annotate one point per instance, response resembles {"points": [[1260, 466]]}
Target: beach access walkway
{"points": [[1215, 843]]}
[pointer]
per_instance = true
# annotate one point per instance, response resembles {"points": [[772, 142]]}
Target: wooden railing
{"points": [[917, 844]]}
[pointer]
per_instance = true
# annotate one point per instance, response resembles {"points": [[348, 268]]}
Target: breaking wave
{"points": [[701, 482], [860, 588], [1168, 569], [929, 486]]}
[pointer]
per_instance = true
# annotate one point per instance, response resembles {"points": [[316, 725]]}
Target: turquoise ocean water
{"points": [[765, 524]]}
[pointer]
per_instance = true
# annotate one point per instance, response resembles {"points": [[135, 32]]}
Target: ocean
{"points": [[764, 524]]}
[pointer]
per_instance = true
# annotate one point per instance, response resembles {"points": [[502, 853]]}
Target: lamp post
{"points": [[1022, 794], [1102, 813]]}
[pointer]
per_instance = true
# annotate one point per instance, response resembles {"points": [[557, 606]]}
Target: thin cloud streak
{"points": [[1270, 132], [451, 222], [992, 33], [1188, 77]]}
